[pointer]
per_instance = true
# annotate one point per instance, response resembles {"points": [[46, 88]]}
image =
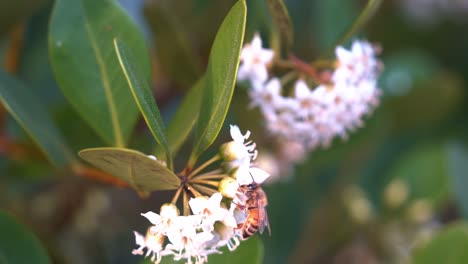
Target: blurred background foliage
{"points": [[394, 192]]}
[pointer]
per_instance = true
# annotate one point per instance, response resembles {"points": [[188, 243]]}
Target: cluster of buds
{"points": [[219, 208], [314, 116]]}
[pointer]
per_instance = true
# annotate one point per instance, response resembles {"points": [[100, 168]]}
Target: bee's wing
{"points": [[263, 216]]}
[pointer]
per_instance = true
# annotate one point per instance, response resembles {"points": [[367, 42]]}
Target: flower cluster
{"points": [[314, 116], [216, 221]]}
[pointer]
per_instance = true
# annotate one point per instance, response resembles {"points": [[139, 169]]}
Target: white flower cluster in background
{"points": [[216, 221], [313, 116]]}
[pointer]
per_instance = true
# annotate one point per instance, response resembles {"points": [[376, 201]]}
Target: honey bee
{"points": [[255, 203]]}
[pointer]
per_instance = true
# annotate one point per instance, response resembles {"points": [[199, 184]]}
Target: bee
{"points": [[255, 203]]}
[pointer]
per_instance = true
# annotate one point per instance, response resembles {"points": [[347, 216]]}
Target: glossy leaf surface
{"points": [[19, 245], [86, 66], [141, 92], [28, 111], [220, 78], [448, 247]]}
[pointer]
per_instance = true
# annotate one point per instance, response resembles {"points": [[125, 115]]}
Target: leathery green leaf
{"points": [[173, 46], [248, 252], [448, 247], [141, 92], [220, 79], [27, 110], [86, 66], [19, 245], [141, 171]]}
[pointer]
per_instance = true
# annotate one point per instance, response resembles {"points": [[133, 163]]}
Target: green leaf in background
{"points": [[447, 247], [33, 117], [280, 16], [220, 79], [249, 252], [184, 119], [86, 66], [173, 46], [425, 169], [19, 245], [140, 171], [141, 92], [331, 19], [365, 16], [458, 164]]}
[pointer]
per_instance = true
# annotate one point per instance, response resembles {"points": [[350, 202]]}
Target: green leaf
{"points": [[425, 169], [140, 171], [86, 66], [248, 252], [173, 46], [458, 164], [141, 92], [27, 110], [19, 245], [364, 17], [282, 21], [448, 247], [184, 119], [220, 78]]}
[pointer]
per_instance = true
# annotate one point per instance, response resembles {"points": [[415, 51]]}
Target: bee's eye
{"points": [[252, 186]]}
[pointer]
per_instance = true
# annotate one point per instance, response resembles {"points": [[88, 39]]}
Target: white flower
{"points": [[153, 243], [254, 61], [248, 175], [357, 64], [268, 96], [164, 221], [211, 211], [238, 153], [187, 243]]}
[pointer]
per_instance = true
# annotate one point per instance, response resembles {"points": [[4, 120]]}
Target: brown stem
{"points": [[177, 194], [98, 175], [13, 51]]}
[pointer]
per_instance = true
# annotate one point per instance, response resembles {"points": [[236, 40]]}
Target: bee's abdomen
{"points": [[250, 228]]}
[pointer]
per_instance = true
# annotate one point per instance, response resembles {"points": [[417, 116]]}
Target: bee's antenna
{"points": [[251, 176]]}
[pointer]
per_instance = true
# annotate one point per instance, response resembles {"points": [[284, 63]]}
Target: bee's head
{"points": [[252, 186]]}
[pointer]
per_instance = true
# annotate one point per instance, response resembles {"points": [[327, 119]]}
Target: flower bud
{"points": [[169, 210], [420, 211], [396, 193], [228, 187], [233, 150]]}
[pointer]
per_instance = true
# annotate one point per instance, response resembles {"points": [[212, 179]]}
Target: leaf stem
{"points": [[212, 183], [209, 177], [367, 13], [289, 77], [204, 165], [193, 190], [205, 189]]}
